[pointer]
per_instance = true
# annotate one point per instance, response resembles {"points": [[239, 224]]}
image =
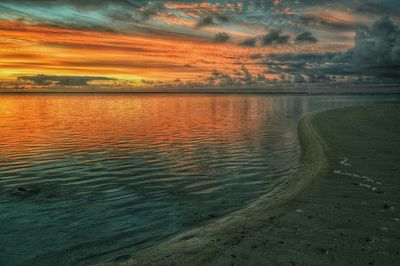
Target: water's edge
{"points": [[151, 171], [178, 248]]}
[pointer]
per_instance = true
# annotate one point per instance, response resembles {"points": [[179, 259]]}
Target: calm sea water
{"points": [[92, 178]]}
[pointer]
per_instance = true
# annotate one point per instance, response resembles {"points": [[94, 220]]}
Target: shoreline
{"points": [[276, 89], [267, 93], [309, 218]]}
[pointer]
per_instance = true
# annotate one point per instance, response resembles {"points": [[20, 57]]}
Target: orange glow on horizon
{"points": [[35, 49], [148, 116]]}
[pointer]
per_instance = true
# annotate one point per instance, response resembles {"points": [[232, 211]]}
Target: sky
{"points": [[133, 44]]}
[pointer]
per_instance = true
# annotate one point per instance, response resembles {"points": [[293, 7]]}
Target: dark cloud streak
{"points": [[306, 37], [222, 37], [275, 37], [62, 80], [249, 42]]}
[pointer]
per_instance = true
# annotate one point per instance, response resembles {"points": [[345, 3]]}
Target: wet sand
{"points": [[341, 208]]}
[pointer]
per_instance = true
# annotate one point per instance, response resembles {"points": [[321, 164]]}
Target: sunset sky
{"points": [[136, 43]]}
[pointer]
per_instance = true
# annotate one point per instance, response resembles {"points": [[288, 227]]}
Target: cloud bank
{"points": [[378, 46], [199, 43], [61, 80]]}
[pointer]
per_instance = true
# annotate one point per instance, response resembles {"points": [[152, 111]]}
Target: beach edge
{"points": [[341, 207], [194, 246]]}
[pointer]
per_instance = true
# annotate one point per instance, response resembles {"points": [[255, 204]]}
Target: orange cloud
{"points": [[36, 49]]}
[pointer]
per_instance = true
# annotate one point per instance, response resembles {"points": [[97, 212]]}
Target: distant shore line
{"points": [[209, 92], [277, 89]]}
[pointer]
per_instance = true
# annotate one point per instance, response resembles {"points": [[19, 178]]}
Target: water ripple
{"points": [[91, 178]]}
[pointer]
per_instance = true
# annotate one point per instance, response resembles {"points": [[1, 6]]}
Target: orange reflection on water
{"points": [[92, 122]]}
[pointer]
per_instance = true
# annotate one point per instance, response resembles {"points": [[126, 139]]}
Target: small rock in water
{"points": [[27, 191]]}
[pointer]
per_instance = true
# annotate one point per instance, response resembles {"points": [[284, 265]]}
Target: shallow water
{"points": [[91, 178]]}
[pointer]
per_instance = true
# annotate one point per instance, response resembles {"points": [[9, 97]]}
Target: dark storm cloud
{"points": [[275, 37], [222, 37], [377, 49], [317, 67], [61, 80], [376, 55], [212, 19], [249, 42], [205, 21], [221, 18], [306, 37], [378, 46]]}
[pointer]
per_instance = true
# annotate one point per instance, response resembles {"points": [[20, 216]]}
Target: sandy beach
{"points": [[340, 208]]}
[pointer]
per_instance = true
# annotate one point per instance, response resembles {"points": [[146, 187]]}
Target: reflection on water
{"points": [[88, 178]]}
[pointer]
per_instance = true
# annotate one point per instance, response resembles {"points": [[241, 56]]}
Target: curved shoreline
{"points": [[198, 238], [285, 227]]}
